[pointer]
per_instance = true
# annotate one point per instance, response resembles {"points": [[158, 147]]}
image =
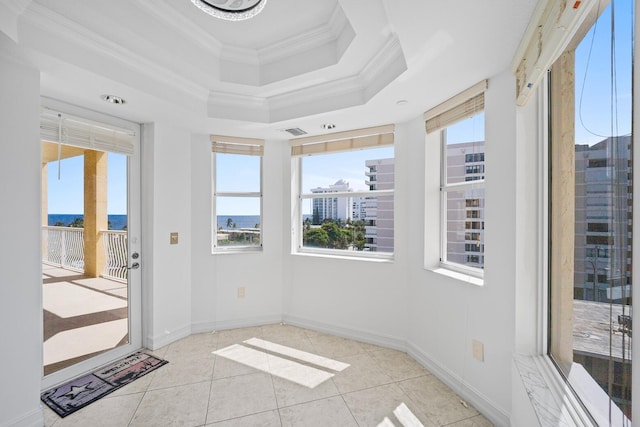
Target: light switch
{"points": [[173, 238]]}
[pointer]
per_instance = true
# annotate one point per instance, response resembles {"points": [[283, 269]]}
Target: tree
{"points": [[229, 222], [77, 223], [307, 224], [316, 237], [337, 237]]}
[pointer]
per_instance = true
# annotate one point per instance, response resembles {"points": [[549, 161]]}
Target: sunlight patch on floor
{"points": [[67, 300], [85, 340], [404, 416], [278, 366], [314, 359]]}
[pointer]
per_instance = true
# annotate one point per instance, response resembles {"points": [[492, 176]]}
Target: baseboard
{"points": [[168, 337], [34, 418], [245, 322], [483, 404], [359, 335]]}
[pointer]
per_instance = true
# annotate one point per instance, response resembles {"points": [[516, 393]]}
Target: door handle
{"points": [[134, 266]]}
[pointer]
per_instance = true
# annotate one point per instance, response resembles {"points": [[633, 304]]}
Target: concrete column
{"points": [[95, 211], [562, 216]]}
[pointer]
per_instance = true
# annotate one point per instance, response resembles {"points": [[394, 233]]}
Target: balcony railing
{"points": [[115, 249], [64, 247]]}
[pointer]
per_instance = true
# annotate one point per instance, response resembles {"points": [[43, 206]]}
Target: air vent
{"points": [[296, 131]]}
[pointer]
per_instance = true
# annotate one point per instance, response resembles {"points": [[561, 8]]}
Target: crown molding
{"points": [[325, 34], [171, 17], [55, 26], [388, 63], [386, 66], [310, 51], [10, 12]]}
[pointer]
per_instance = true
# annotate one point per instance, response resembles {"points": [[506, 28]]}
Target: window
{"points": [[346, 192], [237, 193], [460, 121], [591, 227]]}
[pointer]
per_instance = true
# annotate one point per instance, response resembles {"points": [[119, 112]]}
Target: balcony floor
{"points": [[83, 316]]}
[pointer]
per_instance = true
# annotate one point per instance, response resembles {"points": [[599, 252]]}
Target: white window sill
{"points": [[318, 254], [553, 400], [237, 251], [456, 275]]}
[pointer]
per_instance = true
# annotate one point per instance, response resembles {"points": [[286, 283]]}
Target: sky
{"points": [[593, 123], [593, 77], [66, 196]]}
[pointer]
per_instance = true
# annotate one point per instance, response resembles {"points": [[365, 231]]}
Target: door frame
{"points": [[134, 239]]}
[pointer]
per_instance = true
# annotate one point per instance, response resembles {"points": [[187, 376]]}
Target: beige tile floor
{"points": [[380, 387]]}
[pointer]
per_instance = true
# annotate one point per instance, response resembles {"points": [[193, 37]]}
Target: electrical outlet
{"points": [[241, 292], [477, 348]]}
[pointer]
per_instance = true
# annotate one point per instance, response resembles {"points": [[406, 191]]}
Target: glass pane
{"points": [[465, 227], [237, 173], [358, 223], [349, 223], [465, 150], [72, 258], [361, 170], [600, 301], [238, 221]]}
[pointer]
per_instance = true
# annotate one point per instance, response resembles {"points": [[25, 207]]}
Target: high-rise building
{"points": [[379, 210], [335, 208], [358, 209], [465, 209], [603, 210]]}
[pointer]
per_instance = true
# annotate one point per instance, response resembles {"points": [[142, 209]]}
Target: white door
{"points": [[92, 305]]}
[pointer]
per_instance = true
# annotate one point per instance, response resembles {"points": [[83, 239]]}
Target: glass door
{"points": [[90, 241]]}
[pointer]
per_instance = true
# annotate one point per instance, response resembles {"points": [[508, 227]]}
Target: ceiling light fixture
{"points": [[231, 10], [113, 99]]}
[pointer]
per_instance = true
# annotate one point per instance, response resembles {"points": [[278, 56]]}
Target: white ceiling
{"points": [[300, 63]]}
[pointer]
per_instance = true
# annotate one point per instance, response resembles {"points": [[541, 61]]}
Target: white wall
{"points": [[363, 299], [446, 313], [20, 252], [217, 277], [166, 184]]}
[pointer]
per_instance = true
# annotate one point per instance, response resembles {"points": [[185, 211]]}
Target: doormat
{"points": [[78, 393]]}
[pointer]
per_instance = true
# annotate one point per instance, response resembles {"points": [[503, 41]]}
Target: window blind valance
{"points": [[378, 136], [552, 27], [66, 129], [457, 108], [237, 145]]}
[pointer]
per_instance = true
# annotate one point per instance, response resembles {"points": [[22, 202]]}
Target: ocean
{"points": [[241, 221], [118, 222]]}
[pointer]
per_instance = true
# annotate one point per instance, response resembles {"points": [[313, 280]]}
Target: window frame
{"points": [[237, 146], [587, 404], [445, 189], [357, 139], [462, 106]]}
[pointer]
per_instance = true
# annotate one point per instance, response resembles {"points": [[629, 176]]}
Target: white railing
{"points": [[115, 249], [63, 247]]}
